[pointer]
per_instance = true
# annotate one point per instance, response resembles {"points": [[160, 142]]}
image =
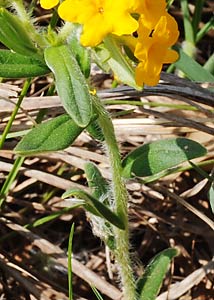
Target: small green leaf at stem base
{"points": [[149, 284], [96, 207]]}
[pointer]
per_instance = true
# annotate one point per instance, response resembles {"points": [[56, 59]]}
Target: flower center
{"points": [[151, 33], [100, 10]]}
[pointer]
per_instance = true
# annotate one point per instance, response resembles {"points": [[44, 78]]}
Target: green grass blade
{"points": [[10, 178], [197, 15], [192, 69], [54, 215], [70, 289], [211, 197], [209, 65], [201, 33], [97, 294], [15, 111], [201, 171], [188, 27]]}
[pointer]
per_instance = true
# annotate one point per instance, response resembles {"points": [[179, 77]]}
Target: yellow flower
{"points": [[99, 18], [151, 10], [48, 4], [152, 49]]}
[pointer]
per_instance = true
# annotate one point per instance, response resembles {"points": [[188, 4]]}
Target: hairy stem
{"points": [[120, 203]]}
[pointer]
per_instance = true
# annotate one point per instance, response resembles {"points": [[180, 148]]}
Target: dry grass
{"points": [[171, 212]]}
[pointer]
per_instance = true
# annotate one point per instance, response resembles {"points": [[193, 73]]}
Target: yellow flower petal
{"points": [[152, 48], [48, 4], [144, 74], [148, 70], [99, 18], [170, 56], [89, 38], [151, 10], [127, 25], [77, 11]]}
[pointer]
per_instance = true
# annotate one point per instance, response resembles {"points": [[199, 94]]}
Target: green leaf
{"points": [[81, 53], [209, 65], [97, 183], [211, 197], [13, 34], [204, 30], [149, 285], [100, 190], [98, 208], [14, 65], [53, 135], [158, 156], [119, 63], [70, 83], [54, 215], [192, 69]]}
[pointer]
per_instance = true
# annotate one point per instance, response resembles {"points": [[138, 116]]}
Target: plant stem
{"points": [[120, 203], [10, 179], [19, 160], [13, 115], [65, 32]]}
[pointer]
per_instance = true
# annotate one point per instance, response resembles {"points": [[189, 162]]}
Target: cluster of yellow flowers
{"points": [[151, 31]]}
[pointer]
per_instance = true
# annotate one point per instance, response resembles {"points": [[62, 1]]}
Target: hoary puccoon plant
{"points": [[130, 38]]}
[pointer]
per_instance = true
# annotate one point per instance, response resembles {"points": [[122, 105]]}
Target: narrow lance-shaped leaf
{"points": [[100, 209], [158, 156], [192, 69], [53, 135], [70, 83], [119, 63], [54, 215], [14, 35], [14, 65], [149, 285]]}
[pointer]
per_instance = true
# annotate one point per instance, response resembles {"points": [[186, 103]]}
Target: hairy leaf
{"points": [[158, 156], [53, 135]]}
